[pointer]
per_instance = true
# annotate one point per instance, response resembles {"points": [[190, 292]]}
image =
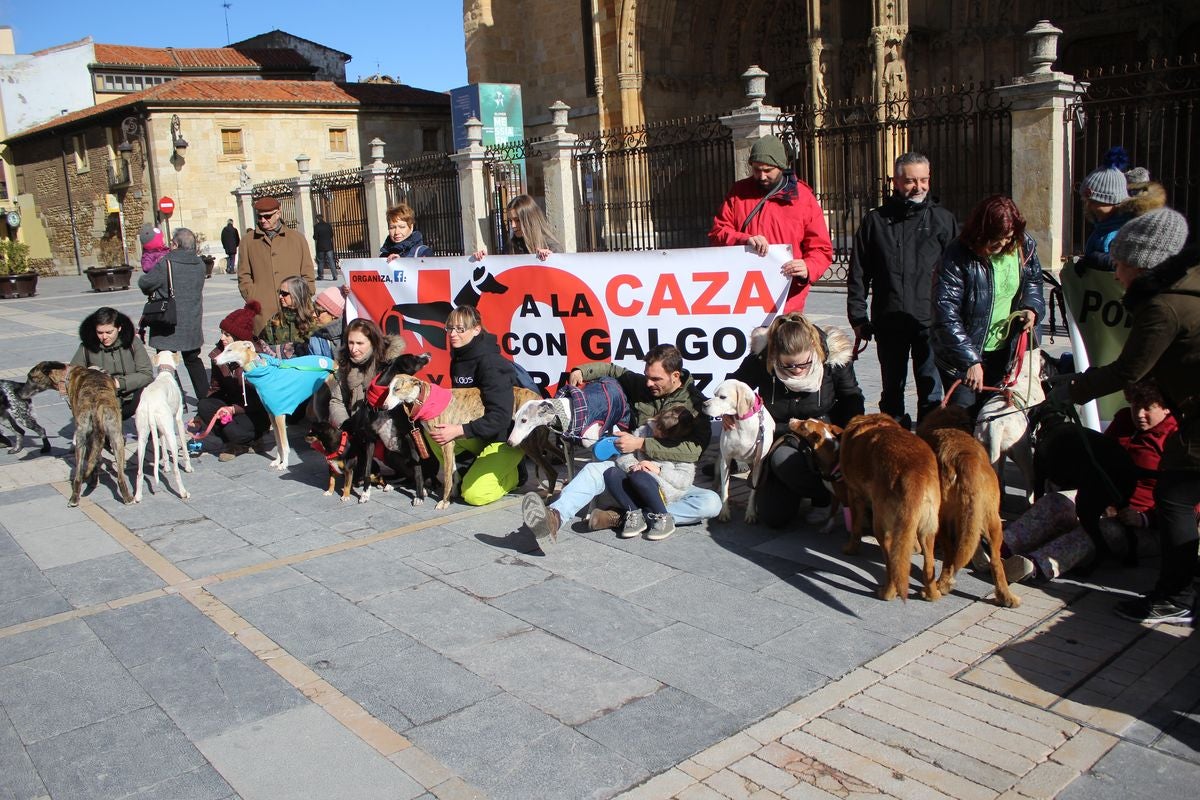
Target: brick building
{"points": [[94, 175]]}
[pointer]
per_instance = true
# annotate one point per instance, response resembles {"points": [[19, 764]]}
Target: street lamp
{"points": [[177, 139], [129, 127]]}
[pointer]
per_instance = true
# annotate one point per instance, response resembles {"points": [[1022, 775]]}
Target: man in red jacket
{"points": [[773, 206]]}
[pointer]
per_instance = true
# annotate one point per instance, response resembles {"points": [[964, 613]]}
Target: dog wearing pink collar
{"points": [[747, 433]]}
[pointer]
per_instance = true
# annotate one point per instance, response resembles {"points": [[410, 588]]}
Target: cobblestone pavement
{"points": [[261, 640]]}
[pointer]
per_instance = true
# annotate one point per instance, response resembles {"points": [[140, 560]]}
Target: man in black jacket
{"points": [[323, 238], [896, 250], [230, 239]]}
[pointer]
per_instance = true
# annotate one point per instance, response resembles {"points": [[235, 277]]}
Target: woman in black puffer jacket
{"points": [[989, 273], [800, 371]]}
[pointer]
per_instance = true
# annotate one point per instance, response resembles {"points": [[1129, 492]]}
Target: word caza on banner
{"points": [[549, 316]]}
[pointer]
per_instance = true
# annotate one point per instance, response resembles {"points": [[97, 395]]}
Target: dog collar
{"points": [[341, 448], [431, 401], [754, 409]]}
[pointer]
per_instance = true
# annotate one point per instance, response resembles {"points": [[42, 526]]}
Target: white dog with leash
{"points": [[159, 418]]}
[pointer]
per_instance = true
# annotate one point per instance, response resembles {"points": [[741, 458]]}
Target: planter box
{"points": [[23, 285], [109, 279]]}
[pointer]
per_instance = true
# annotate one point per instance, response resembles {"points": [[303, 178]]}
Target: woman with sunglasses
{"points": [[800, 371], [476, 363], [288, 330]]}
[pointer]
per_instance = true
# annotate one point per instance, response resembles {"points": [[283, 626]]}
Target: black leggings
{"points": [[242, 429], [634, 490]]}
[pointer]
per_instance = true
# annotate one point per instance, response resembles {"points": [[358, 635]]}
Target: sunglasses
{"points": [[267, 215], [282, 293]]}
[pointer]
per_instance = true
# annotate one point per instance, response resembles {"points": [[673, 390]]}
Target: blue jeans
{"points": [[695, 506]]}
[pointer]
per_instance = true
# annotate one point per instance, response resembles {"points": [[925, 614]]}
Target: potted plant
{"points": [[17, 278], [109, 279]]}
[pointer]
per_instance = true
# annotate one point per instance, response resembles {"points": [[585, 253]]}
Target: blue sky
{"points": [[419, 42]]}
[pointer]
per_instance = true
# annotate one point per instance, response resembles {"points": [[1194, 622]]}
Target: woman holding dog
{"points": [[363, 356], [476, 363], [240, 415], [1162, 293], [987, 289], [801, 371], [107, 342]]}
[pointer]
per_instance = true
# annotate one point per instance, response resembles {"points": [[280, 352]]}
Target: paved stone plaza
{"points": [[261, 640]]}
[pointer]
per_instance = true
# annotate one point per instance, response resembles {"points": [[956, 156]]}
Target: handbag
{"points": [[160, 312]]}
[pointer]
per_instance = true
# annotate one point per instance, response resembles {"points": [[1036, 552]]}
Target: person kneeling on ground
{"points": [[665, 383], [107, 342], [240, 416], [802, 372]]}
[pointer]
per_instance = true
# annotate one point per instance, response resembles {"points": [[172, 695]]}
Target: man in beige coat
{"points": [[273, 253]]}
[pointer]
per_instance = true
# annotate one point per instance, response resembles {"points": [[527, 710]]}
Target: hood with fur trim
{"points": [[87, 332], [838, 349], [1154, 196]]}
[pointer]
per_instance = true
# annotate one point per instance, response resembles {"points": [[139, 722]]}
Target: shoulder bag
{"points": [[160, 312]]}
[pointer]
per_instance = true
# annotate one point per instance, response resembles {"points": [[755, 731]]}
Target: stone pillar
{"points": [[303, 196], [751, 123], [472, 192], [1041, 148], [375, 179], [559, 175], [245, 208]]}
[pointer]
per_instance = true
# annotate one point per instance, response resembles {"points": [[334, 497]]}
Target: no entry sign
{"points": [[166, 206]]}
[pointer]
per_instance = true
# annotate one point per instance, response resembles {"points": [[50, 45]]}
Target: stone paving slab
{"points": [[304, 753]]}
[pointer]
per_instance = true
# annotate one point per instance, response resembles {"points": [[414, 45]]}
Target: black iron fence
{"points": [[506, 175], [846, 149], [429, 184], [1153, 111], [340, 198], [285, 192], [651, 186]]}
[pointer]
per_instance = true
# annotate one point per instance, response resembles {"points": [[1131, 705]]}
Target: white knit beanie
{"points": [[1146, 241]]}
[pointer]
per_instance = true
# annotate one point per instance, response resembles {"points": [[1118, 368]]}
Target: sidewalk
{"points": [[263, 641]]}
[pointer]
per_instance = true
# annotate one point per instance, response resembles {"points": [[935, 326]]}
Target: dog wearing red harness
{"points": [[344, 460]]}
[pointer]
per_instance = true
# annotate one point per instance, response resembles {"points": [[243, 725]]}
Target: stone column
{"points": [[559, 175], [752, 122], [1041, 148], [245, 208], [472, 193], [303, 196], [375, 179]]}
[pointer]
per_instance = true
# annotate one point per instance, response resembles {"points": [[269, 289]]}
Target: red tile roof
{"points": [[225, 92], [119, 55]]}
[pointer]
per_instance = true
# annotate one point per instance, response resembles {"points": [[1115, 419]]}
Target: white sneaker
{"points": [[1018, 568]]}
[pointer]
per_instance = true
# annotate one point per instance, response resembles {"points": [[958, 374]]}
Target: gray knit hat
{"points": [[1137, 179], [769, 150], [1107, 186], [1146, 241]]}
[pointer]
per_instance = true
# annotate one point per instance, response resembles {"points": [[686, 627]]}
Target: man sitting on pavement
{"points": [[665, 383]]}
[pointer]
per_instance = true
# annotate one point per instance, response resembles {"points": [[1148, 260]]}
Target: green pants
{"points": [[494, 473]]}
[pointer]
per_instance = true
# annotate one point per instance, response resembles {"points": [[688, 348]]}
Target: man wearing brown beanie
{"points": [[273, 253]]}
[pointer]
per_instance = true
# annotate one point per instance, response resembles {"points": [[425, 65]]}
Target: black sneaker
{"points": [[1153, 612]]}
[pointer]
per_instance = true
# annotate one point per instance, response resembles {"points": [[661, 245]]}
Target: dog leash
{"points": [[860, 347], [336, 454]]}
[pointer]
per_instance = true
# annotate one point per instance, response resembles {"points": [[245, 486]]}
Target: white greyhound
{"points": [[159, 418]]}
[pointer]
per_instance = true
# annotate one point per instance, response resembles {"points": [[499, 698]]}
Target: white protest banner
{"points": [[1094, 303], [551, 315]]}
